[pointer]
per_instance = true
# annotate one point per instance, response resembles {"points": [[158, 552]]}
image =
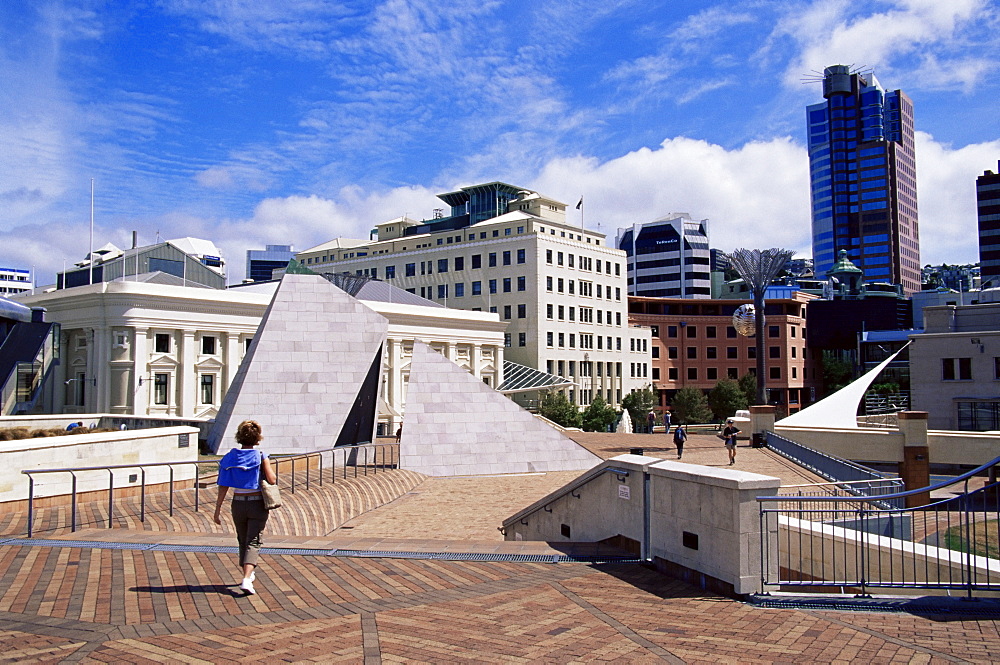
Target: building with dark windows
{"points": [[695, 345], [988, 202], [261, 262], [863, 178], [668, 258]]}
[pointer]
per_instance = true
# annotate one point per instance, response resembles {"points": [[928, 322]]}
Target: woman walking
{"points": [[241, 469], [680, 436]]}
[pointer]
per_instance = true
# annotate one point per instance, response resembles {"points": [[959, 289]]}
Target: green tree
{"points": [[691, 406], [557, 408], [598, 416], [836, 374], [726, 399], [639, 404], [748, 384]]}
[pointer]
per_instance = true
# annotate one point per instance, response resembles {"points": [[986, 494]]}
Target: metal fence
{"points": [[300, 473], [875, 489], [852, 543]]}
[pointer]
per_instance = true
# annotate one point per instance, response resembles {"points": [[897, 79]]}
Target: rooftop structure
{"points": [[668, 257], [193, 260]]}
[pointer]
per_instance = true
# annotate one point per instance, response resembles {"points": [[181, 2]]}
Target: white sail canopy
{"points": [[839, 410]]}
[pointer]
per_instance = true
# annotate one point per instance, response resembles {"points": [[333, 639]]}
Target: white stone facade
{"points": [[560, 289], [173, 337]]}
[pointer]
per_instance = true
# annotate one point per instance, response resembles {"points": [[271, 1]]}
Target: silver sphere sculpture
{"points": [[744, 320]]}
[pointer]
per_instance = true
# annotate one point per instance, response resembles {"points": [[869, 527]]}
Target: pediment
{"points": [[162, 360], [210, 363]]}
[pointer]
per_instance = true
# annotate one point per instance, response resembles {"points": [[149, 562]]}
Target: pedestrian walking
{"points": [[651, 420], [729, 436], [241, 469], [680, 436]]}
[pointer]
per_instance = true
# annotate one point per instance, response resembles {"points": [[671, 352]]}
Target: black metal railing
{"points": [[300, 474], [833, 541], [832, 468]]}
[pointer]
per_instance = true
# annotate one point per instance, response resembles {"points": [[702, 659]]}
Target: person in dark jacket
{"points": [[729, 436], [241, 469], [680, 436]]}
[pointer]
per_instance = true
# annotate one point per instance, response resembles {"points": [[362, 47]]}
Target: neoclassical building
{"points": [[153, 347]]}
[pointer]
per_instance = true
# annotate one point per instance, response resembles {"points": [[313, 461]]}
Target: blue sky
{"points": [[253, 122]]}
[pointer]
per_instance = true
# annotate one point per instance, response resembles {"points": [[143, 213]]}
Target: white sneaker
{"points": [[247, 586], [253, 575]]}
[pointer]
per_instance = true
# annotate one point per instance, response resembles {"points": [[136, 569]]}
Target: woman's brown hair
{"points": [[248, 433]]}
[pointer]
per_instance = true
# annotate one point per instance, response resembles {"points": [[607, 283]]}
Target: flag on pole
{"points": [[580, 204]]}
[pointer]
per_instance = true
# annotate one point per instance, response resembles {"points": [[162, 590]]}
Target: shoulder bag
{"points": [[271, 494]]}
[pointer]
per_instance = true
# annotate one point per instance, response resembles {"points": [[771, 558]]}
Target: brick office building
{"points": [[694, 345]]}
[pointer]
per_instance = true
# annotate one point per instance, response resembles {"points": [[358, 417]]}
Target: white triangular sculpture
{"points": [[456, 425], [839, 410], [312, 356]]}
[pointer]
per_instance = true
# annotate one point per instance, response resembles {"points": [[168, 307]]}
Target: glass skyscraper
{"points": [[863, 178]]}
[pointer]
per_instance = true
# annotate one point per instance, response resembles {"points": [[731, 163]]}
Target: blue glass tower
{"points": [[863, 178]]}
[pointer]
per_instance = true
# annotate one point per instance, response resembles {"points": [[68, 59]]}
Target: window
{"points": [[548, 342], [208, 389], [477, 288], [522, 312], [996, 367], [711, 373], [208, 345], [774, 352], [559, 285], [773, 331], [562, 343], [730, 332], [506, 312], [160, 388], [692, 332], [477, 261], [520, 256], [459, 263], [618, 293], [506, 336], [671, 331], [672, 352], [559, 258], [775, 372], [521, 283], [733, 373], [710, 332], [493, 286], [562, 311], [732, 352], [692, 373], [570, 259], [161, 343], [442, 291], [459, 290], [522, 339], [493, 259], [506, 284], [655, 351], [442, 265], [548, 283], [548, 310], [672, 373], [246, 344], [411, 269], [752, 352], [548, 256], [956, 369], [506, 257], [692, 352], [572, 313], [710, 353]]}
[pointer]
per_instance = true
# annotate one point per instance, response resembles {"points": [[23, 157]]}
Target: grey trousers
{"points": [[249, 518]]}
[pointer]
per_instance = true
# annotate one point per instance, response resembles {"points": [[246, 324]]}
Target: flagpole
{"points": [[91, 257]]}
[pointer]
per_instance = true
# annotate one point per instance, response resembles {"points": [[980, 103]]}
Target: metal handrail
{"points": [[897, 495], [843, 482], [277, 459]]}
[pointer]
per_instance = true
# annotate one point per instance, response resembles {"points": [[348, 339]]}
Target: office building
{"points": [[504, 249], [863, 178], [262, 262], [988, 208], [694, 345], [15, 280], [962, 278], [668, 257]]}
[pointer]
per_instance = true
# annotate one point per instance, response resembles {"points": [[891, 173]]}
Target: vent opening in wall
{"points": [[564, 530], [689, 540]]}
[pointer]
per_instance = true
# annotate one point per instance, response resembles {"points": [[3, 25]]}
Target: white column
{"points": [[187, 381], [60, 375], [140, 370], [476, 360], [230, 361], [90, 394]]}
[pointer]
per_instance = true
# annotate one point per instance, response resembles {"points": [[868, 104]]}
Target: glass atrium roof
{"points": [[522, 379]]}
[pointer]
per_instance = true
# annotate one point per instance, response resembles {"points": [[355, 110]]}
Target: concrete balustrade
{"points": [[699, 523]]}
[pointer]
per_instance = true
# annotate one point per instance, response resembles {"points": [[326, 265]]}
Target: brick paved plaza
{"points": [[73, 601]]}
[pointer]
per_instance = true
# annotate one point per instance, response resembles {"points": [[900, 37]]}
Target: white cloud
{"points": [[946, 198], [914, 39]]}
